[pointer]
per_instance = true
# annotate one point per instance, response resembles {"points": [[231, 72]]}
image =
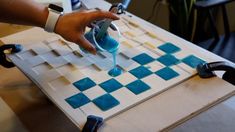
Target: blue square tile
{"points": [[143, 59], [111, 85], [140, 72], [106, 102], [84, 84], [168, 60], [167, 73], [169, 48], [192, 61], [77, 100], [137, 87]]}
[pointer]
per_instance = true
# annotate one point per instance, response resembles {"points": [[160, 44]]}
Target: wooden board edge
{"points": [[194, 114]]}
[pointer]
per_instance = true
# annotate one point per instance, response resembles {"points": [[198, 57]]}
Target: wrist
{"points": [[44, 17], [58, 25], [54, 14]]}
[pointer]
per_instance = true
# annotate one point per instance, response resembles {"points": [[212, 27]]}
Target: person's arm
{"points": [[70, 26], [24, 12]]}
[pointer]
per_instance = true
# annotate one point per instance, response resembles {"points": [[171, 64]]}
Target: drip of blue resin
{"points": [[109, 44], [116, 71]]}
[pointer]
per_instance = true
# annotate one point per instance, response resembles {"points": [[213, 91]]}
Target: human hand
{"points": [[72, 26]]}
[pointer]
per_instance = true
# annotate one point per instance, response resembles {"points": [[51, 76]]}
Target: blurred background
{"points": [[158, 13], [209, 24], [188, 19]]}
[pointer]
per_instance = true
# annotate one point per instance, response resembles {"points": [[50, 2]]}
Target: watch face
{"points": [[55, 7]]}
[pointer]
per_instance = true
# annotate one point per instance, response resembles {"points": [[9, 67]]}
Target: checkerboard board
{"points": [[79, 83]]}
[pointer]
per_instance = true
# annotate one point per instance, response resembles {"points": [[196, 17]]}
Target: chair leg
{"points": [[226, 23], [213, 27]]}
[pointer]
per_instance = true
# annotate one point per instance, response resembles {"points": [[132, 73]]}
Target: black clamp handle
{"points": [[120, 7], [13, 48], [206, 70], [93, 123]]}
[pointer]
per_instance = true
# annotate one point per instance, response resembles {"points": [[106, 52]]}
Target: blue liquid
{"points": [[108, 43], [115, 71], [111, 45]]}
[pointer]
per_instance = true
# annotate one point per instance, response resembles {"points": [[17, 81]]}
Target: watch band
{"points": [[53, 16]]}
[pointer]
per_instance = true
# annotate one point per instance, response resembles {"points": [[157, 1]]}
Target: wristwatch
{"points": [[54, 13]]}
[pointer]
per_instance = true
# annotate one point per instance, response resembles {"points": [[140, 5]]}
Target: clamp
{"points": [[206, 70], [93, 123], [13, 48], [118, 8]]}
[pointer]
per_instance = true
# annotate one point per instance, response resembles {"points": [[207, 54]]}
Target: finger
{"points": [[84, 43], [90, 25], [99, 15], [93, 25], [84, 30]]}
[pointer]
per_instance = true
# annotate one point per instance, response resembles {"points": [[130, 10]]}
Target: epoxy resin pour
{"points": [[107, 43]]}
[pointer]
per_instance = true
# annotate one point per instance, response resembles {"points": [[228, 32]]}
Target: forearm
{"points": [[70, 26], [25, 12]]}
